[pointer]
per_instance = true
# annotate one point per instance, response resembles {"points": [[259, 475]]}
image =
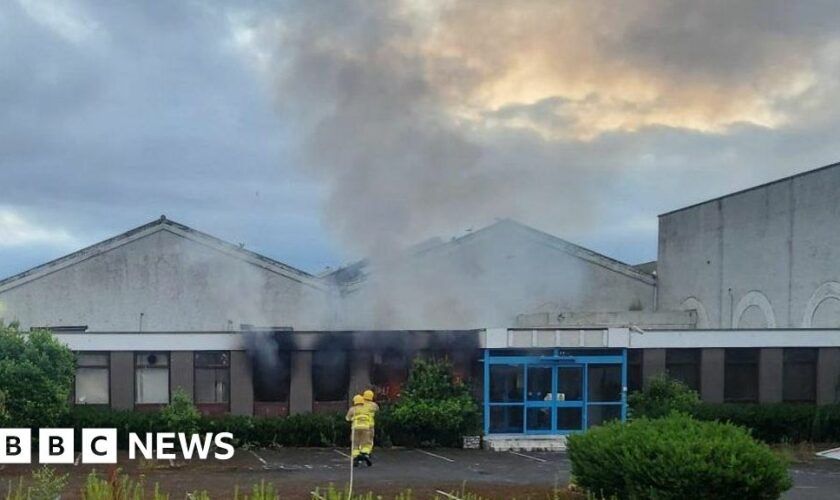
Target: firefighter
{"points": [[372, 408], [361, 423]]}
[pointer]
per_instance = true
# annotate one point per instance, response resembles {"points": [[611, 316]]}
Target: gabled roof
{"points": [[161, 224], [355, 273]]}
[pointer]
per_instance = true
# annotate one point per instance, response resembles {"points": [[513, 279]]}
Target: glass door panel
{"points": [[569, 398], [506, 419], [540, 383], [569, 383]]}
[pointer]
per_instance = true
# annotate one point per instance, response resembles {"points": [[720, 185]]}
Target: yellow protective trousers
{"points": [[362, 442]]}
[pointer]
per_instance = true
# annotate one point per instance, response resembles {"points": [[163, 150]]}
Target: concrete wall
{"points": [[175, 283], [766, 257]]}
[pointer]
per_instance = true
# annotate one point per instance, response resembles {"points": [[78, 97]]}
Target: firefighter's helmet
{"points": [[368, 395], [358, 399]]}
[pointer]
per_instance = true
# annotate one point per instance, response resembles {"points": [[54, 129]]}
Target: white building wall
{"points": [[766, 257], [177, 284]]}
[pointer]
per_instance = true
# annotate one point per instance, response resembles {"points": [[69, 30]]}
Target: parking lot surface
{"points": [[298, 471]]}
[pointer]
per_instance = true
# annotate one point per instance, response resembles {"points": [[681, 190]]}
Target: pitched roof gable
{"points": [[355, 273], [161, 224]]}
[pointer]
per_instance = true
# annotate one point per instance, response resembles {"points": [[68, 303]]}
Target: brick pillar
{"points": [[181, 374], [360, 363], [711, 375], [828, 375], [122, 380], [770, 363], [241, 384], [300, 395]]}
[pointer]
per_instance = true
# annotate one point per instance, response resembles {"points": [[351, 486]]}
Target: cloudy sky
{"points": [[318, 132]]}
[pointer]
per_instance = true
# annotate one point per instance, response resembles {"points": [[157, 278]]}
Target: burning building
{"points": [[743, 304]]}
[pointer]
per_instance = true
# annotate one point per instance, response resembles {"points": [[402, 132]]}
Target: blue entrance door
{"points": [[554, 398]]}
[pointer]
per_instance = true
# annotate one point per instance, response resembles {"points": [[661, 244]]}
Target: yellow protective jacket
{"points": [[360, 417], [372, 408]]}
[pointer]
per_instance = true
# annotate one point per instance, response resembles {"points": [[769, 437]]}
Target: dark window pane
{"points": [[569, 419], [604, 383], [800, 355], [92, 359], [506, 383], [740, 375], [569, 383], [684, 365], [799, 375], [634, 369], [539, 383], [741, 355], [271, 376], [330, 375], [506, 419], [599, 414], [208, 359], [539, 419]]}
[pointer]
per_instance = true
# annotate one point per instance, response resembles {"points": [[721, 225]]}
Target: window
{"points": [[212, 377], [799, 375], [740, 375], [272, 376], [684, 365], [92, 386], [604, 383], [330, 375], [635, 358], [151, 378], [389, 371], [507, 383]]}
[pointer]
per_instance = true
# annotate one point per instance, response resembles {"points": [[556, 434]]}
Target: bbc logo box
{"points": [[56, 446]]}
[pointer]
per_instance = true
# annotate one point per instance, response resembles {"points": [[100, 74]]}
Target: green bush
{"points": [[36, 377], [675, 457], [296, 430], [778, 422], [435, 408], [180, 415], [661, 396], [4, 415]]}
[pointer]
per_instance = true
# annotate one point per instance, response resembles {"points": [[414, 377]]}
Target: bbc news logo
{"points": [[99, 446]]}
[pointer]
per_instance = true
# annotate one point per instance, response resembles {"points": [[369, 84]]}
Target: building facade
{"points": [[743, 305]]}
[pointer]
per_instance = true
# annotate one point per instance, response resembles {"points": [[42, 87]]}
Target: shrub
{"points": [[36, 376], [661, 396], [778, 422], [180, 415], [297, 430], [675, 457], [434, 408], [4, 415]]}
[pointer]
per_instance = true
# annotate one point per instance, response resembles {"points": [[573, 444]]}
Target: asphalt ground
{"points": [[298, 471]]}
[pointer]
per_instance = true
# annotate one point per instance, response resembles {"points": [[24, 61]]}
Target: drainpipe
{"points": [[731, 309]]}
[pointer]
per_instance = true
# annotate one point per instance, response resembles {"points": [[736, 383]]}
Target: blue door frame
{"points": [[561, 362]]}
